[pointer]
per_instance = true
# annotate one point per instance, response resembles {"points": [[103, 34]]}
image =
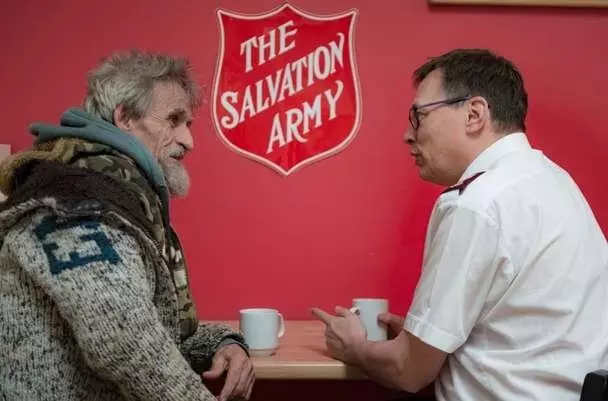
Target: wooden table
{"points": [[302, 354]]}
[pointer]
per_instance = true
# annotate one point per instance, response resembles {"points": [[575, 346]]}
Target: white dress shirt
{"points": [[514, 285]]}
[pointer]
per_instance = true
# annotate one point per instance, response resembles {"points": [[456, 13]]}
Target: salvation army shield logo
{"points": [[286, 90]]}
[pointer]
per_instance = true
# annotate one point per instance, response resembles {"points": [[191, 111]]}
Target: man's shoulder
{"points": [[59, 242], [83, 191], [503, 183]]}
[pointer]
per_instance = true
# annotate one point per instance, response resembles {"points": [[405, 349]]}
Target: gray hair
{"points": [[128, 78]]}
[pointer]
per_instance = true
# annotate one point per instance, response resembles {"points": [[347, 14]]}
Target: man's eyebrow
{"points": [[180, 113]]}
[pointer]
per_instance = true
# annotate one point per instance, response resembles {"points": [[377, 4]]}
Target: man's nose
{"points": [[410, 136], [184, 137]]}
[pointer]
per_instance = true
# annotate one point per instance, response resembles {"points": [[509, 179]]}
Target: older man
{"points": [[94, 296], [511, 303]]}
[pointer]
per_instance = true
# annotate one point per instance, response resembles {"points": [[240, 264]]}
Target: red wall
{"points": [[350, 225]]}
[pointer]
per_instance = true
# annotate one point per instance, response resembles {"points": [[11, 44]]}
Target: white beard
{"points": [[176, 175]]}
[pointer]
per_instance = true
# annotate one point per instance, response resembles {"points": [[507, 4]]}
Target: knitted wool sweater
{"points": [[90, 301]]}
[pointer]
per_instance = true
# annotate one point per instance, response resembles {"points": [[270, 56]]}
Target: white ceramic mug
{"points": [[262, 329], [368, 310]]}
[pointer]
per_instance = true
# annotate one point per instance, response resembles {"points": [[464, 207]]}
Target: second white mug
{"points": [[368, 310]]}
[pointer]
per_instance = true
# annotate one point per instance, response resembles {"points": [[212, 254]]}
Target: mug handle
{"points": [[281, 325]]}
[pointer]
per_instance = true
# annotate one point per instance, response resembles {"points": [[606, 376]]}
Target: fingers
{"points": [[326, 317], [246, 381], [393, 322], [217, 368], [242, 387], [385, 318], [322, 315], [232, 380], [390, 319], [332, 343], [343, 312], [248, 395], [249, 387]]}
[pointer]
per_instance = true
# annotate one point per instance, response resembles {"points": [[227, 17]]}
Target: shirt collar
{"points": [[507, 144]]}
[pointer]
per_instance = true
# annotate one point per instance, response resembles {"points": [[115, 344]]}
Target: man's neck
{"points": [[476, 147]]}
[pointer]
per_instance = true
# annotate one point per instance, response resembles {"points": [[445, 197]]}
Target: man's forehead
{"points": [[429, 89], [170, 97]]}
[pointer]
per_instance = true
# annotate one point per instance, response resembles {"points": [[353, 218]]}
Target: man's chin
{"points": [[178, 193], [423, 173], [177, 179], [178, 186], [427, 175]]}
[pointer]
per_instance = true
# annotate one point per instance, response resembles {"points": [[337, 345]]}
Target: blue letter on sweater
{"points": [[72, 246]]}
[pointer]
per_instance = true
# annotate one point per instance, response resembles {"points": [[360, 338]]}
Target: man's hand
{"points": [[343, 333], [240, 377], [394, 324]]}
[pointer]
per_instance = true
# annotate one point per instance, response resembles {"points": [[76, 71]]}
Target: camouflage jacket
{"points": [[94, 299]]}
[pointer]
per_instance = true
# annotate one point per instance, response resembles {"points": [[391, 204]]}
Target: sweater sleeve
{"points": [[96, 277], [200, 347]]}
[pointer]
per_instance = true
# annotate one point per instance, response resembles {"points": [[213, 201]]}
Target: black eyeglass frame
{"points": [[414, 117]]}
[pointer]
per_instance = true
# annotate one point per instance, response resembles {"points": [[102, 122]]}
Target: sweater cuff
{"points": [[232, 340]]}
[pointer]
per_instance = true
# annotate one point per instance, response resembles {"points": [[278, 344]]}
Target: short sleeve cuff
{"points": [[431, 335]]}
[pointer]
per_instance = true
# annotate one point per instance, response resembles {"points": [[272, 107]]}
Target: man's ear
{"points": [[121, 120], [478, 114]]}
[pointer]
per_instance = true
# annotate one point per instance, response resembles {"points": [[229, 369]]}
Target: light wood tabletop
{"points": [[302, 354]]}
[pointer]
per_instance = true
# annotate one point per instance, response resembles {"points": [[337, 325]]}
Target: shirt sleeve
{"points": [[95, 276], [460, 262]]}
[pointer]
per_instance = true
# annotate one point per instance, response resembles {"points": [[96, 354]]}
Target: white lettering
{"points": [[285, 82], [273, 86], [247, 105], [293, 119], [247, 47], [283, 35], [297, 67], [276, 134], [326, 63], [261, 103], [295, 123], [337, 52], [231, 121], [332, 100], [269, 45], [311, 69], [312, 112]]}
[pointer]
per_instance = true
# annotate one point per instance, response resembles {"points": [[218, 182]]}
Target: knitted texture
{"points": [[89, 304]]}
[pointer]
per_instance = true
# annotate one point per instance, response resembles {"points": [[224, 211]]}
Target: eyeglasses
{"points": [[414, 114]]}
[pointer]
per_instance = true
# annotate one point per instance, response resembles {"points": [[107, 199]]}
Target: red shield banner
{"points": [[286, 91]]}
